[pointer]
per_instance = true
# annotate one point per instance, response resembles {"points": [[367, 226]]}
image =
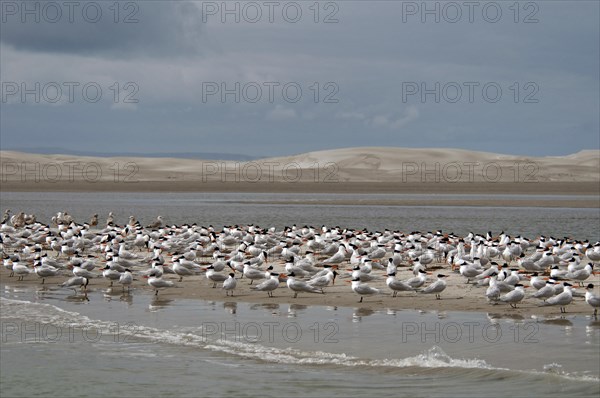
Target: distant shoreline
{"points": [[467, 188], [545, 190], [368, 170]]}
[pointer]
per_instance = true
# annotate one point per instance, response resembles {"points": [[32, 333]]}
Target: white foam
{"points": [[435, 357], [557, 369]]}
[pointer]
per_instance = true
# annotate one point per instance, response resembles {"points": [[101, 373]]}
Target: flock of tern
{"points": [[306, 259]]}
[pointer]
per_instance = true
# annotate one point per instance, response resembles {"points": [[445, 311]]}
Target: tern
{"points": [[299, 286], [79, 281], [126, 279], [469, 271], [159, 283], [229, 284], [436, 287], [110, 274], [418, 280], [397, 286], [269, 285], [563, 299], [78, 271], [493, 291], [253, 273], [592, 299], [357, 273], [44, 271], [581, 274], [514, 297], [8, 264], [181, 270], [546, 292], [21, 270], [337, 257], [214, 276], [537, 281], [324, 280], [362, 289]]}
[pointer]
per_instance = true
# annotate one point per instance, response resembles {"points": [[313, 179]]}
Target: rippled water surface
{"points": [[138, 345]]}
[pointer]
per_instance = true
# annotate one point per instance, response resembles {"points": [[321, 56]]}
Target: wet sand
{"points": [[545, 190], [458, 295], [467, 188]]}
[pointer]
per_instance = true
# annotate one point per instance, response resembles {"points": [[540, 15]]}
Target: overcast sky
{"points": [[297, 77]]}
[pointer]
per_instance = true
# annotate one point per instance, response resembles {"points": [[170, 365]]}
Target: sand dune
{"points": [[449, 165], [374, 165], [350, 164]]}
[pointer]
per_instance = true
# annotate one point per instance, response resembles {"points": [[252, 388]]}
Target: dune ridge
{"points": [[350, 164], [377, 169]]}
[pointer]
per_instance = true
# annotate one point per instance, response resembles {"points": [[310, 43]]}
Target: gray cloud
{"points": [[368, 54], [149, 28]]}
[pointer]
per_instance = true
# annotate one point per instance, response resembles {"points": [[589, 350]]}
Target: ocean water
{"points": [[221, 209], [53, 342]]}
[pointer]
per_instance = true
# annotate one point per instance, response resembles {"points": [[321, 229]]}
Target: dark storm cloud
{"points": [[102, 28], [547, 73]]}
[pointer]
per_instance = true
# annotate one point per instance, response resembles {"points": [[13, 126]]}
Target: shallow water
{"points": [[137, 345], [221, 209]]}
